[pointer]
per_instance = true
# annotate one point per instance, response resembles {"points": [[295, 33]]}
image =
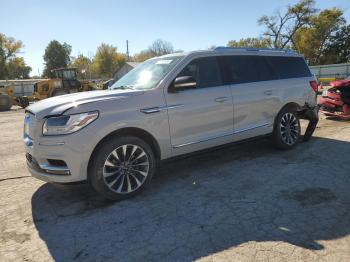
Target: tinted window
{"points": [[205, 70], [289, 67], [245, 69]]}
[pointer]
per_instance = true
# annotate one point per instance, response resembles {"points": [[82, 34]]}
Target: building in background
{"points": [[331, 71], [23, 87], [128, 66]]}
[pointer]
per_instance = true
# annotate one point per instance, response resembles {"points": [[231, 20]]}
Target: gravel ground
{"points": [[240, 203]]}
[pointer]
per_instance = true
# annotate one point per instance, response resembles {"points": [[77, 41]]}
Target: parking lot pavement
{"points": [[240, 203]]}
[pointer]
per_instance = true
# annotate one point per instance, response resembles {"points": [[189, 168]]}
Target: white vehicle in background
{"points": [[169, 106]]}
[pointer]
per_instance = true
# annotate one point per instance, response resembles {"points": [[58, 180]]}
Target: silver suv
{"points": [[169, 106]]}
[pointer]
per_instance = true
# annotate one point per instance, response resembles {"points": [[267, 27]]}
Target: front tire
{"points": [[286, 132], [121, 167]]}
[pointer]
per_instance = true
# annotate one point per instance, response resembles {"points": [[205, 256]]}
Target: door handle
{"points": [[268, 92], [221, 99]]}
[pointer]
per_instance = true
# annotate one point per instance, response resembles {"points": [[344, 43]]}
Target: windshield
{"points": [[148, 74]]}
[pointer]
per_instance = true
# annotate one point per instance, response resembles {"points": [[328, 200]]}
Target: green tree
{"points": [[56, 55], [84, 66], [17, 68], [3, 70], [143, 56], [312, 40], [337, 50], [10, 46], [107, 60], [250, 42], [12, 66], [281, 28]]}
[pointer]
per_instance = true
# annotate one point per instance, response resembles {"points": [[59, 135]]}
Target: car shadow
{"points": [[206, 203]]}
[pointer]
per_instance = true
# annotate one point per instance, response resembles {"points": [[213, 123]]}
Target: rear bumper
{"points": [[311, 114]]}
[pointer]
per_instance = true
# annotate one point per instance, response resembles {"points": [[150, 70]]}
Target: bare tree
{"points": [[160, 47], [281, 28], [157, 48]]}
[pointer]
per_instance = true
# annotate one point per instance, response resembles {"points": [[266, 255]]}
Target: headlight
{"points": [[67, 124]]}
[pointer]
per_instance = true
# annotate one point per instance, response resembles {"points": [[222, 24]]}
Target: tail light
{"points": [[314, 86]]}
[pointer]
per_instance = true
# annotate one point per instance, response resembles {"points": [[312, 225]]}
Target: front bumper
{"points": [[60, 160]]}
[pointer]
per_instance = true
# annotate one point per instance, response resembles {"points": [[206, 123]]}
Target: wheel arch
{"points": [[290, 105], [132, 131]]}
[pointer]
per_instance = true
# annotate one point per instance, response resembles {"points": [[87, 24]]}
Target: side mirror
{"points": [[182, 83]]}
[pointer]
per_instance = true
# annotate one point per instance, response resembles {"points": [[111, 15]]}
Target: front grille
{"points": [[32, 162], [29, 158]]}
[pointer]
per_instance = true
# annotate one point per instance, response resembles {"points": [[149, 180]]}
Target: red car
{"points": [[336, 100]]}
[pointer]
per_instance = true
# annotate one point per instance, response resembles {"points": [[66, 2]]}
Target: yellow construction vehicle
{"points": [[65, 82], [8, 98]]}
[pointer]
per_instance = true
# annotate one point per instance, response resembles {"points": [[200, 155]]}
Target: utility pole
{"points": [[127, 50]]}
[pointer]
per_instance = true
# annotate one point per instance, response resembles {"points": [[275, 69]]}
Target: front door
{"points": [[203, 116]]}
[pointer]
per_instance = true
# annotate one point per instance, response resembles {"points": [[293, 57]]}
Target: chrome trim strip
{"points": [[224, 135], [51, 144], [186, 84], [203, 140], [250, 128], [175, 106], [150, 110], [157, 109], [55, 170]]}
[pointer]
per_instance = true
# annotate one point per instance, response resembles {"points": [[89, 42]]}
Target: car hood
{"points": [[59, 104]]}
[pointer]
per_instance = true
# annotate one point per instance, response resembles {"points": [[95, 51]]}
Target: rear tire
{"points": [[5, 102], [121, 167], [286, 132]]}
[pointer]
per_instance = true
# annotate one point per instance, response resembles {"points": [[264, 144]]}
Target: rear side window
{"points": [[205, 70], [245, 69], [289, 67]]}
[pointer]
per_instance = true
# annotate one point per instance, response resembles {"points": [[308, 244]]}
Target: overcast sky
{"points": [[187, 24]]}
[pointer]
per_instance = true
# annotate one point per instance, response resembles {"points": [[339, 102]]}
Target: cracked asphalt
{"points": [[246, 202]]}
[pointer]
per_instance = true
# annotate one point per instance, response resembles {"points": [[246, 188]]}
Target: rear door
{"points": [[295, 78], [203, 116], [255, 96]]}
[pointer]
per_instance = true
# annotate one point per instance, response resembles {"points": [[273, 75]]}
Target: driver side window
{"points": [[205, 71]]}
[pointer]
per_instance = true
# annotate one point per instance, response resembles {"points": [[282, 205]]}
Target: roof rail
{"points": [[224, 48]]}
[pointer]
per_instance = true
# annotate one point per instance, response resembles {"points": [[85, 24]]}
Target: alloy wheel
{"points": [[289, 128], [126, 169]]}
